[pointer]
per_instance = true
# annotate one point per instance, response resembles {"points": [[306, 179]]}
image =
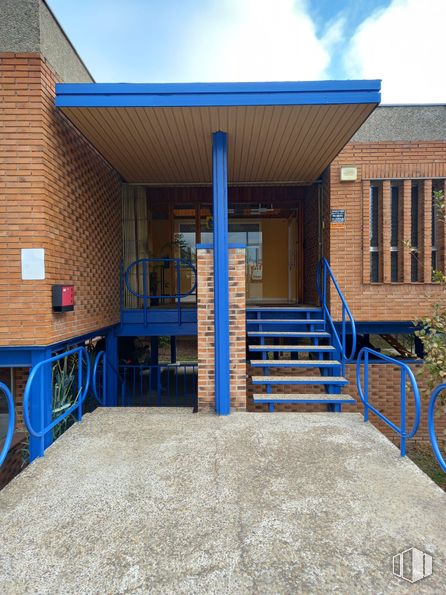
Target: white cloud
{"points": [[256, 40], [404, 45]]}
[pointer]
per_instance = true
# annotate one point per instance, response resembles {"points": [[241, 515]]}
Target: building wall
{"points": [[385, 162], [205, 330], [59, 194]]}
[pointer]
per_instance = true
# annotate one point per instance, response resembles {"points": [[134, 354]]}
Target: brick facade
{"points": [[59, 194], [349, 242], [237, 331]]}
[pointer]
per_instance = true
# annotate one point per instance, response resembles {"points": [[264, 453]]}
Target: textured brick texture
{"points": [[237, 328], [57, 193], [349, 243]]}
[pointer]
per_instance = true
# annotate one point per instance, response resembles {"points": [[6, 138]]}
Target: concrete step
{"points": [[302, 398], [299, 309], [294, 348], [296, 363], [285, 321], [299, 334], [333, 380]]}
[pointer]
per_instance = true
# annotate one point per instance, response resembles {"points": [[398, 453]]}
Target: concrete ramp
{"points": [[150, 501]]}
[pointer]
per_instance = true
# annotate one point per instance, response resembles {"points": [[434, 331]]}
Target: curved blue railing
{"points": [[405, 373], [146, 294], [100, 398], [431, 424], [324, 275], [100, 371], [83, 385], [11, 422]]}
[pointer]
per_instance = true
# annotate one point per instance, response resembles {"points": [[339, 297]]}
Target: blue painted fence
{"points": [[141, 270], [406, 374], [11, 422], [431, 424], [162, 385], [41, 429]]}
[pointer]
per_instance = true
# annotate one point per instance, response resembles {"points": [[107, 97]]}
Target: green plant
{"points": [[64, 376], [432, 329]]}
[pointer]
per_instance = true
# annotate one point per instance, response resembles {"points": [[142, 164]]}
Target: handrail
{"points": [[82, 354], [178, 262], [102, 355], [431, 425], [322, 269], [146, 296], [11, 422], [364, 394]]}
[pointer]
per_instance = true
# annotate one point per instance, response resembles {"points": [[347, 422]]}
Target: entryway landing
{"points": [[142, 501]]}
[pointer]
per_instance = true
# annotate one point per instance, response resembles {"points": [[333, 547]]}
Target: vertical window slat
{"points": [[414, 233], [374, 234], [394, 226]]}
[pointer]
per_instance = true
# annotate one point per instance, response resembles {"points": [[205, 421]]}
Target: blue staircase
{"points": [[301, 346]]}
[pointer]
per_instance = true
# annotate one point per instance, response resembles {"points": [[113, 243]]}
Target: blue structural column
{"points": [[221, 272], [41, 404], [111, 348]]}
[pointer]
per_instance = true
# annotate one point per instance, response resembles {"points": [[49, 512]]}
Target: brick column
{"points": [[205, 328]]}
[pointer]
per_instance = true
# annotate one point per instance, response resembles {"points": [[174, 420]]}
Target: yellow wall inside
{"points": [[275, 258]]}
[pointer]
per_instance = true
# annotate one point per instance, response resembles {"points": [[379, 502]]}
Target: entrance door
{"points": [[292, 258]]}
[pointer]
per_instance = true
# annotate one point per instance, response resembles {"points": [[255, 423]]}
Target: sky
{"points": [[401, 42]]}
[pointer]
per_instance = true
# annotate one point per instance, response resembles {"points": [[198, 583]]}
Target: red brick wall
{"points": [[57, 193], [237, 328], [349, 242]]}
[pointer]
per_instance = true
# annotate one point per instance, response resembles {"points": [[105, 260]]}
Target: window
{"points": [[402, 246], [414, 233], [374, 234], [394, 233], [437, 186]]}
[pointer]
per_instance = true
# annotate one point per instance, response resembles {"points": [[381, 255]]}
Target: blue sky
{"points": [[400, 41]]}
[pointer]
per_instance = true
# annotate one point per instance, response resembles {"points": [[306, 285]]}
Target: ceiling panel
{"points": [[266, 143]]}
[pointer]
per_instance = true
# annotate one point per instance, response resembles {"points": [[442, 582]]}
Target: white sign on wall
{"points": [[33, 264]]}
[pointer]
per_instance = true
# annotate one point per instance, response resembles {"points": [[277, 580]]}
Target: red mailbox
{"points": [[63, 298]]}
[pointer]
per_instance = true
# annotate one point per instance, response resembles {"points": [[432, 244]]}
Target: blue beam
{"points": [[221, 272], [217, 94]]}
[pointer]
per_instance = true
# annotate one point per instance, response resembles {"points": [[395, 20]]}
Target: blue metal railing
{"points": [[405, 374], [324, 275], [99, 377], [143, 265], [159, 385], [11, 422], [83, 381], [431, 424]]}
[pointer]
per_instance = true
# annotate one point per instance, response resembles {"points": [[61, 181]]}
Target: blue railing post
{"points": [[366, 387], [363, 393], [41, 405], [221, 272], [111, 347], [403, 412], [11, 422], [79, 383], [431, 424]]}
